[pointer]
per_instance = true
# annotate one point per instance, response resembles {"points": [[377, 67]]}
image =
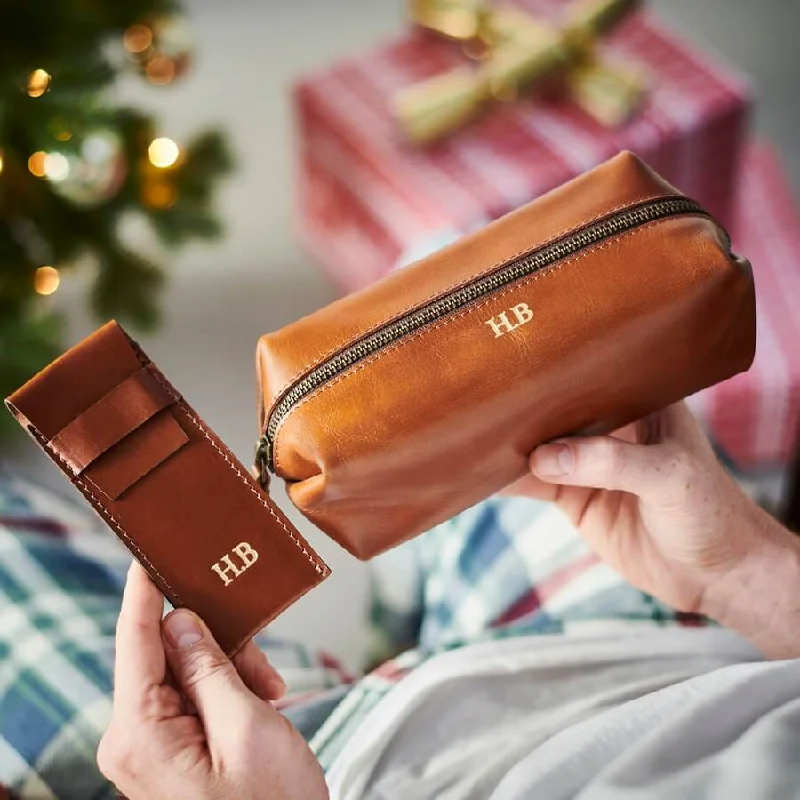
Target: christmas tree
{"points": [[73, 164]]}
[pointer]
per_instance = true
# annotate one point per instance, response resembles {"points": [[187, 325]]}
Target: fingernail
{"points": [[275, 679], [552, 460], [182, 629], [278, 686]]}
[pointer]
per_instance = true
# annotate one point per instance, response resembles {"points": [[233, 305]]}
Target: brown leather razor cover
{"points": [[188, 511]]}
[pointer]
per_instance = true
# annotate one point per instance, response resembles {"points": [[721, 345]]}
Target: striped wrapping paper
{"points": [[366, 196], [754, 417]]}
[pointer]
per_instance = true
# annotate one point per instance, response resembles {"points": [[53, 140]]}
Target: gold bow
{"points": [[519, 52]]}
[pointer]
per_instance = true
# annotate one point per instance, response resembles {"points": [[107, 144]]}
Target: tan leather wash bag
{"points": [[397, 407]]}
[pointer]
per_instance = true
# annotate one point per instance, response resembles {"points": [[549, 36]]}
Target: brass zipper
{"points": [[534, 261]]}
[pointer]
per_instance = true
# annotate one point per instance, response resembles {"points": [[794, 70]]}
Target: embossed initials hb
{"points": [[226, 567], [501, 324]]}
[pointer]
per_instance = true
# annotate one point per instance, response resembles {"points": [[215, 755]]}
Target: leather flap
{"points": [[118, 413], [84, 406], [62, 391], [137, 455]]}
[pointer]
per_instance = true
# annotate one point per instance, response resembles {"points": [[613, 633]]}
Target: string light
{"points": [[160, 194], [163, 152], [98, 148], [59, 128], [36, 163], [46, 280], [160, 70], [56, 166], [38, 82], [137, 38]]}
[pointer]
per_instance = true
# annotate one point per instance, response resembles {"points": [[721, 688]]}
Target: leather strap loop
{"points": [[122, 410]]}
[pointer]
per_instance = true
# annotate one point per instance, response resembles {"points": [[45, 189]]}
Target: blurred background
{"points": [[230, 67]]}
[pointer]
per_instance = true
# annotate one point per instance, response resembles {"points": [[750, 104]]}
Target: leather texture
{"points": [[118, 413], [444, 417], [167, 486]]}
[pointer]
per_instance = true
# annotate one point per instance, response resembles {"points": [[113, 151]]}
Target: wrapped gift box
{"points": [[754, 417], [367, 197]]}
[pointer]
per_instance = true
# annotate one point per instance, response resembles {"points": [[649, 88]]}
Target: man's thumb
{"points": [[201, 670], [597, 462]]}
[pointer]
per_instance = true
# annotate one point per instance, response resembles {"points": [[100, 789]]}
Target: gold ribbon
{"points": [[520, 52], [462, 20]]}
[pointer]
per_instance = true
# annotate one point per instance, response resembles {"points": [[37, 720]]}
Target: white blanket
{"points": [[654, 714]]}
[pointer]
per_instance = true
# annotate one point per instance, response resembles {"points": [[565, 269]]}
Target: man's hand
{"points": [[187, 725], [654, 502]]}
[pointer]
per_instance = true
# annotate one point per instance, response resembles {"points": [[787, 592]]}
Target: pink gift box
{"points": [[367, 197], [754, 416]]}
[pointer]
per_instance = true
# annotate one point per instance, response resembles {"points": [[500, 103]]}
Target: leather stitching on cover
{"points": [[112, 520]]}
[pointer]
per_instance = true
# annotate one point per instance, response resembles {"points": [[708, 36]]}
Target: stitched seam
{"points": [[199, 425], [133, 546], [448, 320], [114, 522], [319, 359]]}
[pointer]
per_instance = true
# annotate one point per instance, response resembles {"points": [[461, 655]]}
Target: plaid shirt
{"points": [[506, 567]]}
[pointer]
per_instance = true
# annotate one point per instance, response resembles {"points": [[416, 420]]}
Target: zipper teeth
{"points": [[511, 272]]}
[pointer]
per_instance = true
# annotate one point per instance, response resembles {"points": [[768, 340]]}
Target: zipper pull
{"points": [[263, 460]]}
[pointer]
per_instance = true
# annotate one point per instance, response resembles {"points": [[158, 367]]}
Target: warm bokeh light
{"points": [[163, 152], [38, 82], [98, 148], [56, 166], [1, 160], [64, 136], [46, 280], [160, 70], [159, 194], [36, 163], [137, 38]]}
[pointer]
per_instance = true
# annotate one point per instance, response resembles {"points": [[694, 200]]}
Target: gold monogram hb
{"points": [[501, 324], [228, 569]]}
